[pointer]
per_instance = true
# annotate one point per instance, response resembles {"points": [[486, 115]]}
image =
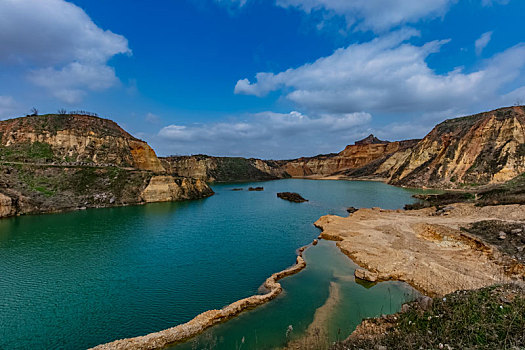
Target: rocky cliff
{"points": [[353, 157], [62, 162], [486, 148], [223, 169], [74, 139]]}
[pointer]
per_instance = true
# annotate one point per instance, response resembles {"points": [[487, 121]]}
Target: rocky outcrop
{"points": [[223, 169], [484, 148], [431, 253], [74, 139], [365, 275], [6, 206], [168, 188], [352, 158], [292, 197], [53, 163]]}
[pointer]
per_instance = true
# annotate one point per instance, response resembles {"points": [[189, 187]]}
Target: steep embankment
{"points": [[223, 169], [484, 148], [59, 162], [360, 159]]}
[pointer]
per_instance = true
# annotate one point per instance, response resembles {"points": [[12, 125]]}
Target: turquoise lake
{"points": [[78, 279]]}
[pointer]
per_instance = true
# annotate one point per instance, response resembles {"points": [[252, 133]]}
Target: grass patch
{"points": [[26, 151], [487, 318]]}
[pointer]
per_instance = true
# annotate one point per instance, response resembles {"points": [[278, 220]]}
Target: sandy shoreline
{"points": [[429, 252], [209, 318]]}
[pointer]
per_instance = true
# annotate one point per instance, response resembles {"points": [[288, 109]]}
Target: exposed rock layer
{"points": [[62, 162], [483, 148], [353, 157], [73, 139], [223, 169], [429, 252], [486, 148]]}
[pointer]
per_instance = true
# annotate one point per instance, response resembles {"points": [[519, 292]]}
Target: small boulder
{"points": [[502, 235], [365, 275], [351, 210], [237, 189], [256, 189], [315, 242], [516, 231], [424, 302]]}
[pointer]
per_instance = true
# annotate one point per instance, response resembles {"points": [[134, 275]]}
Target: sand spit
{"points": [[209, 318], [316, 336], [429, 252]]}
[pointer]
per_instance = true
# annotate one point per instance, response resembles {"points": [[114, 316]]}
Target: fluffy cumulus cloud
{"points": [[267, 134], [482, 42], [388, 74], [59, 46]]}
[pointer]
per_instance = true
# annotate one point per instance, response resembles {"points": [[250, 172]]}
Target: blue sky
{"points": [[262, 78]]}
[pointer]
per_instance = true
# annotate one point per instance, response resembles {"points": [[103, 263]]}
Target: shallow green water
{"points": [[265, 327], [78, 279]]}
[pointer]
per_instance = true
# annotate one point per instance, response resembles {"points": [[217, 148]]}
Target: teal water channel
{"points": [[78, 279]]}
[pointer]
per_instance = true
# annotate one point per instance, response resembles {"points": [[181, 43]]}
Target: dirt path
{"points": [[429, 252]]}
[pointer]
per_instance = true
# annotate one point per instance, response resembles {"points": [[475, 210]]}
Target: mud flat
{"points": [[428, 251], [209, 318]]}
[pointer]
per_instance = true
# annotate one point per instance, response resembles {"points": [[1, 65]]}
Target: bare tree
{"points": [[34, 111], [518, 102], [62, 111]]}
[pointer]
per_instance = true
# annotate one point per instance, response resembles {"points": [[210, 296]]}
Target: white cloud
{"points": [[376, 15], [379, 15], [388, 74], [70, 82], [492, 2], [152, 118], [239, 3], [59, 45], [267, 134], [482, 42]]}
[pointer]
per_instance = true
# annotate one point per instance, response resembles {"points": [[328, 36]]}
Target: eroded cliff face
{"points": [[223, 169], [485, 148], [168, 188], [64, 162], [74, 139], [353, 157]]}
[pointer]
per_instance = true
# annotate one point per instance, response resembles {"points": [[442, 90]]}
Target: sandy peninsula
{"points": [[428, 251]]}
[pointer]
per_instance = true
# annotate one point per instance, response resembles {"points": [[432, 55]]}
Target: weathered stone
{"points": [[365, 275], [351, 210], [424, 302], [6, 206]]}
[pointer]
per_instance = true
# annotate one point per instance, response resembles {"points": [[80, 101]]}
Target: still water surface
{"points": [[78, 279]]}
